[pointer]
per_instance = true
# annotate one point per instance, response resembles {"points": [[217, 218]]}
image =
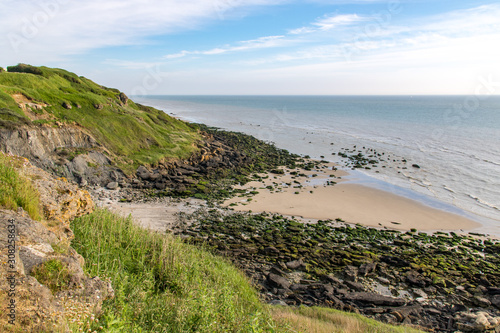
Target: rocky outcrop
{"points": [[28, 250], [67, 151]]}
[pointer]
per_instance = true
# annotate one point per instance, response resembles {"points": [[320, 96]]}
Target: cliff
{"points": [[40, 271]]}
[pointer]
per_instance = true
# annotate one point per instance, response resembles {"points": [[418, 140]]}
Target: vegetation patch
{"points": [[16, 190], [54, 274], [164, 285]]}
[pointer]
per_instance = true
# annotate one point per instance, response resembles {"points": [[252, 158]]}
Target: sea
{"points": [[454, 140]]}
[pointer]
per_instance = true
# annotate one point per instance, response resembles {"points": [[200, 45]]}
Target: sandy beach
{"points": [[312, 196]]}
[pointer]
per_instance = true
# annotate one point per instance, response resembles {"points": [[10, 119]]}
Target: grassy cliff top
{"points": [[133, 134]]}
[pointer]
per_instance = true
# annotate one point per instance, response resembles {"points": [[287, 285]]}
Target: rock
{"points": [[494, 291], [123, 98], [383, 280], [367, 268], [375, 299], [112, 186], [66, 105], [278, 281], [278, 271], [416, 166], [495, 300], [476, 322], [419, 293], [350, 273], [295, 264], [355, 285], [415, 279], [160, 186], [98, 106], [143, 173], [271, 250], [481, 302], [278, 302]]}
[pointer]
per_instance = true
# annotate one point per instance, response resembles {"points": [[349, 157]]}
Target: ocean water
{"points": [[454, 139]]}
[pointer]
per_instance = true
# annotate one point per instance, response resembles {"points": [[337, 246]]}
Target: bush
{"points": [[24, 68]]}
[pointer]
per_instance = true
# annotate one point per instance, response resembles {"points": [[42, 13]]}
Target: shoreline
{"points": [[387, 180], [313, 196]]}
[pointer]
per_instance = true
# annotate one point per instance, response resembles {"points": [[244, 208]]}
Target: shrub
{"points": [[24, 68]]}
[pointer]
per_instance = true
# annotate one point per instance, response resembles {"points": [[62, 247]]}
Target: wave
{"points": [[483, 202]]}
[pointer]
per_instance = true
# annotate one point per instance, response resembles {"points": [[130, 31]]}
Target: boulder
{"points": [[143, 173], [112, 186], [277, 281], [66, 105], [295, 264]]}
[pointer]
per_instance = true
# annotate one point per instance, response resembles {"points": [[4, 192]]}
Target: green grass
{"points": [[132, 133], [54, 274], [16, 190], [163, 284]]}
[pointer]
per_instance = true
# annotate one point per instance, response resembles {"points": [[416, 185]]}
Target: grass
{"points": [[54, 274], [132, 133], [324, 320], [164, 285], [16, 190]]}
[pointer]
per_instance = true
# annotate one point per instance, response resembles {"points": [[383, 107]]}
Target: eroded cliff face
{"points": [[41, 274], [66, 150]]}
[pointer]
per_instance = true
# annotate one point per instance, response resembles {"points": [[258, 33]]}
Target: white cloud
{"points": [[331, 22], [46, 30], [259, 43], [327, 23]]}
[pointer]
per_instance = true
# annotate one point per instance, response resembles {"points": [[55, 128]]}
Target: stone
{"points": [[278, 271], [481, 302], [295, 264], [143, 173], [476, 322], [278, 281], [66, 105], [98, 106], [112, 186], [375, 299], [123, 98], [367, 268], [415, 279], [355, 285], [278, 302], [495, 300], [350, 273], [271, 250]]}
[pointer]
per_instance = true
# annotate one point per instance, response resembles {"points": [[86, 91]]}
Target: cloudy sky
{"points": [[260, 46]]}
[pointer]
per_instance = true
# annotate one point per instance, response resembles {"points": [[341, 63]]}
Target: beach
{"points": [[313, 196]]}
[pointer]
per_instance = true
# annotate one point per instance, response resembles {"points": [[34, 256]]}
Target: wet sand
{"points": [[352, 203]]}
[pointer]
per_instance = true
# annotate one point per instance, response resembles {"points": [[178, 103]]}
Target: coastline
{"points": [[316, 198], [393, 174]]}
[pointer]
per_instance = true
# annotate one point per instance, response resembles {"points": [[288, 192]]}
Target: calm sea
{"points": [[454, 139]]}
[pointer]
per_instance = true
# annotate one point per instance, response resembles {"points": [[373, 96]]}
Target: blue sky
{"points": [[260, 46]]}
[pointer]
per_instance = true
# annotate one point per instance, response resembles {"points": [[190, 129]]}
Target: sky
{"points": [[255, 47]]}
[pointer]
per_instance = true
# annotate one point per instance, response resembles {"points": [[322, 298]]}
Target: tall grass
{"points": [[16, 190], [164, 285]]}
